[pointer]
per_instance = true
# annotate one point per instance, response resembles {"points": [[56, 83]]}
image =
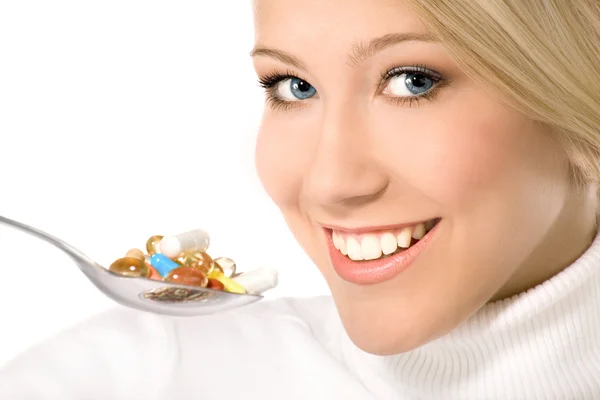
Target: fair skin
{"points": [[344, 151]]}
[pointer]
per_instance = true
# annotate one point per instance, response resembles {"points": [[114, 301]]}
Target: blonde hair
{"points": [[542, 55]]}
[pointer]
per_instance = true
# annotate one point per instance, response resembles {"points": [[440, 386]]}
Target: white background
{"points": [[120, 120]]}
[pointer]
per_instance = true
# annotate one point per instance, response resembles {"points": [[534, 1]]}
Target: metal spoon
{"points": [[141, 293]]}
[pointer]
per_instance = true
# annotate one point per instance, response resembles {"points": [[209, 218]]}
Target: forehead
{"points": [[330, 23]]}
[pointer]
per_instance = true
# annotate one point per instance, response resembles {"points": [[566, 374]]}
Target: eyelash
{"points": [[270, 81], [419, 69]]}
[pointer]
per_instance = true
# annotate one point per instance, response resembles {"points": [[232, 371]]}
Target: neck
{"points": [[569, 237]]}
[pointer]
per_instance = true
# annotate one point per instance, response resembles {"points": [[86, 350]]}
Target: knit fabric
{"points": [[541, 344]]}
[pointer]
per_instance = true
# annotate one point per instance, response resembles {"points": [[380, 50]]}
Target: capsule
{"points": [[129, 266], [163, 264], [196, 259], [258, 281], [135, 253], [187, 276], [227, 265], [228, 283], [152, 244], [173, 246], [153, 273], [215, 284]]}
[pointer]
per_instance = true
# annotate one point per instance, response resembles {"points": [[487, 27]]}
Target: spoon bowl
{"points": [[142, 293]]}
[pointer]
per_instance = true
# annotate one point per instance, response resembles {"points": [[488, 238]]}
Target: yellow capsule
{"points": [[217, 268], [135, 253], [129, 266], [229, 284], [227, 265], [152, 244], [198, 260]]}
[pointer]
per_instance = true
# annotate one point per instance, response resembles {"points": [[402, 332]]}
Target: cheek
{"points": [[463, 150], [471, 155], [499, 180], [280, 157]]}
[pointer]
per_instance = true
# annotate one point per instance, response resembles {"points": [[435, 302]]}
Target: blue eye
{"points": [[294, 89], [410, 84], [418, 83]]}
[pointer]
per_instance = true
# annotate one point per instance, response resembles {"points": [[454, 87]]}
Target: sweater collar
{"points": [[511, 331]]}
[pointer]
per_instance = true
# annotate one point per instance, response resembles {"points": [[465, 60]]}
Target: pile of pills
{"points": [[183, 259]]}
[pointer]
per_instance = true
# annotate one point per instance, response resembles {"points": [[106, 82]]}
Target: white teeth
{"points": [[343, 247], [370, 247], [419, 231], [354, 250], [336, 240], [389, 244], [404, 237]]}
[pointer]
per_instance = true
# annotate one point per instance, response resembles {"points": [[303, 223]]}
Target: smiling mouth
{"points": [[377, 255], [375, 245]]}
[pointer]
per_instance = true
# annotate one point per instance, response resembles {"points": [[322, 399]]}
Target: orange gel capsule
{"points": [[154, 273], [187, 276], [215, 284]]}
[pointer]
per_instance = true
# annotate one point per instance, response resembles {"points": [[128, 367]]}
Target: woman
{"points": [[439, 161]]}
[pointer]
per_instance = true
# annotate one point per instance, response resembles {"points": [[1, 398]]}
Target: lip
{"points": [[376, 271]]}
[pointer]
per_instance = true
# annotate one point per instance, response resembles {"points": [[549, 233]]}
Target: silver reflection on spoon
{"points": [[144, 294]]}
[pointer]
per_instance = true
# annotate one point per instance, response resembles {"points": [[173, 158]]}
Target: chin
{"points": [[376, 331], [376, 341]]}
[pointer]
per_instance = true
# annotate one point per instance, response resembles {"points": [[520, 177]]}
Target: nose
{"points": [[344, 170]]}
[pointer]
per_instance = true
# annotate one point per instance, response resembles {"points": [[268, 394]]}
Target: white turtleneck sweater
{"points": [[542, 344]]}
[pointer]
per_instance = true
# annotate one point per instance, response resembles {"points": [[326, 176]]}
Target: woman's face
{"points": [[371, 135]]}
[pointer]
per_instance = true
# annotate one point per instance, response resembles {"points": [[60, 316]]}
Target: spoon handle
{"points": [[65, 247]]}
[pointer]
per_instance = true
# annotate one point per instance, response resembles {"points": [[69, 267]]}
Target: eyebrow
{"points": [[279, 55], [359, 52]]}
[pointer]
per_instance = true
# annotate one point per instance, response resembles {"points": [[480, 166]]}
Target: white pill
{"points": [[259, 280], [173, 246]]}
